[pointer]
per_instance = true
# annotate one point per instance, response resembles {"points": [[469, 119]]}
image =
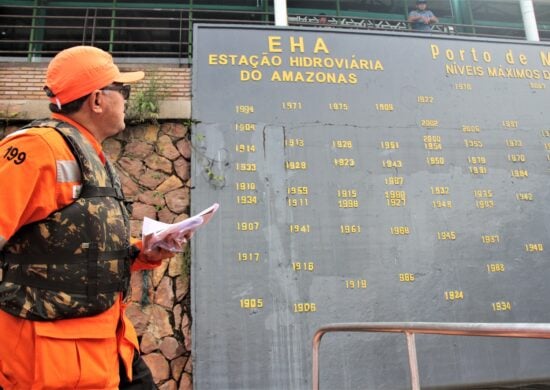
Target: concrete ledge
{"points": [[36, 109], [175, 109], [24, 109]]}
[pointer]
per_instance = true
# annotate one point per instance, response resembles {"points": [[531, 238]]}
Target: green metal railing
{"points": [[34, 33]]}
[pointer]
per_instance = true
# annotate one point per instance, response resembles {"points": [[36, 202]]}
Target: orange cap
{"points": [[80, 70]]}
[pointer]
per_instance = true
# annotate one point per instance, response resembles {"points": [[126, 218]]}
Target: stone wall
{"points": [[153, 162]]}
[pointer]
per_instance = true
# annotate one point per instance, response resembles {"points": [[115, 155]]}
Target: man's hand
{"points": [[150, 258], [156, 255]]}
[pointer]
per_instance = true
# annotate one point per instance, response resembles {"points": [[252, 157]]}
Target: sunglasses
{"points": [[123, 89]]}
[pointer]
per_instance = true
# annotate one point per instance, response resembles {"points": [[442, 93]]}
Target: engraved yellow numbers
{"points": [[294, 142], [474, 170], [477, 167], [490, 239], [308, 266], [392, 163], [510, 124], [298, 202], [446, 235], [396, 198], [483, 200], [425, 99], [299, 228], [394, 180], [485, 204], [471, 129], [292, 106], [347, 193], [296, 165], [477, 160], [454, 295], [252, 303], [342, 144], [245, 167], [502, 306], [432, 142], [245, 148], [463, 86], [347, 198], [406, 277], [344, 162], [245, 186], [525, 196], [245, 127], [356, 284], [348, 203], [338, 106], [400, 230], [248, 256], [244, 109], [517, 158], [439, 190], [514, 143], [473, 143], [429, 123], [519, 173], [483, 193], [248, 226], [247, 199], [305, 307], [442, 204], [389, 144], [442, 191], [534, 247], [495, 267], [384, 106], [435, 160], [350, 229], [303, 190]]}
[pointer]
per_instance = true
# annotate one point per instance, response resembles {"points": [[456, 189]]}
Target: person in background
{"points": [[422, 18], [65, 250], [323, 20]]}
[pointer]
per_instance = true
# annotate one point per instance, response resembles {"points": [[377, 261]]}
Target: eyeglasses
{"points": [[123, 89]]}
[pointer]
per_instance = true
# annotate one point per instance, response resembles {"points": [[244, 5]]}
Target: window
{"points": [[496, 11], [150, 32], [64, 27], [440, 8], [378, 6], [312, 4], [15, 30]]}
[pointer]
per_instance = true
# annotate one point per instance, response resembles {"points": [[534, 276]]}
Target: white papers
{"points": [[173, 237]]}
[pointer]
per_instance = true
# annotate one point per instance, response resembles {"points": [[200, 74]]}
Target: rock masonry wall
{"points": [[153, 161]]}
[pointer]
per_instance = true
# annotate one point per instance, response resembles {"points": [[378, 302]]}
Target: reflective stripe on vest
{"points": [[67, 171]]}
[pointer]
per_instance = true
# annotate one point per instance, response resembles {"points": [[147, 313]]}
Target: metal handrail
{"points": [[519, 330]]}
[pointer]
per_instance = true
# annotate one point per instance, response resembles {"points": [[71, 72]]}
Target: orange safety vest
{"points": [[69, 353]]}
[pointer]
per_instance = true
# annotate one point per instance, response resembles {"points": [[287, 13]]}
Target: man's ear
{"points": [[95, 101]]}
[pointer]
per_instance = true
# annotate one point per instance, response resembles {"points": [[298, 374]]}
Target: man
{"points": [[422, 18], [65, 255]]}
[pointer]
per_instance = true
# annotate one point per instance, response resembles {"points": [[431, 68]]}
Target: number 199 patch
{"points": [[15, 155]]}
